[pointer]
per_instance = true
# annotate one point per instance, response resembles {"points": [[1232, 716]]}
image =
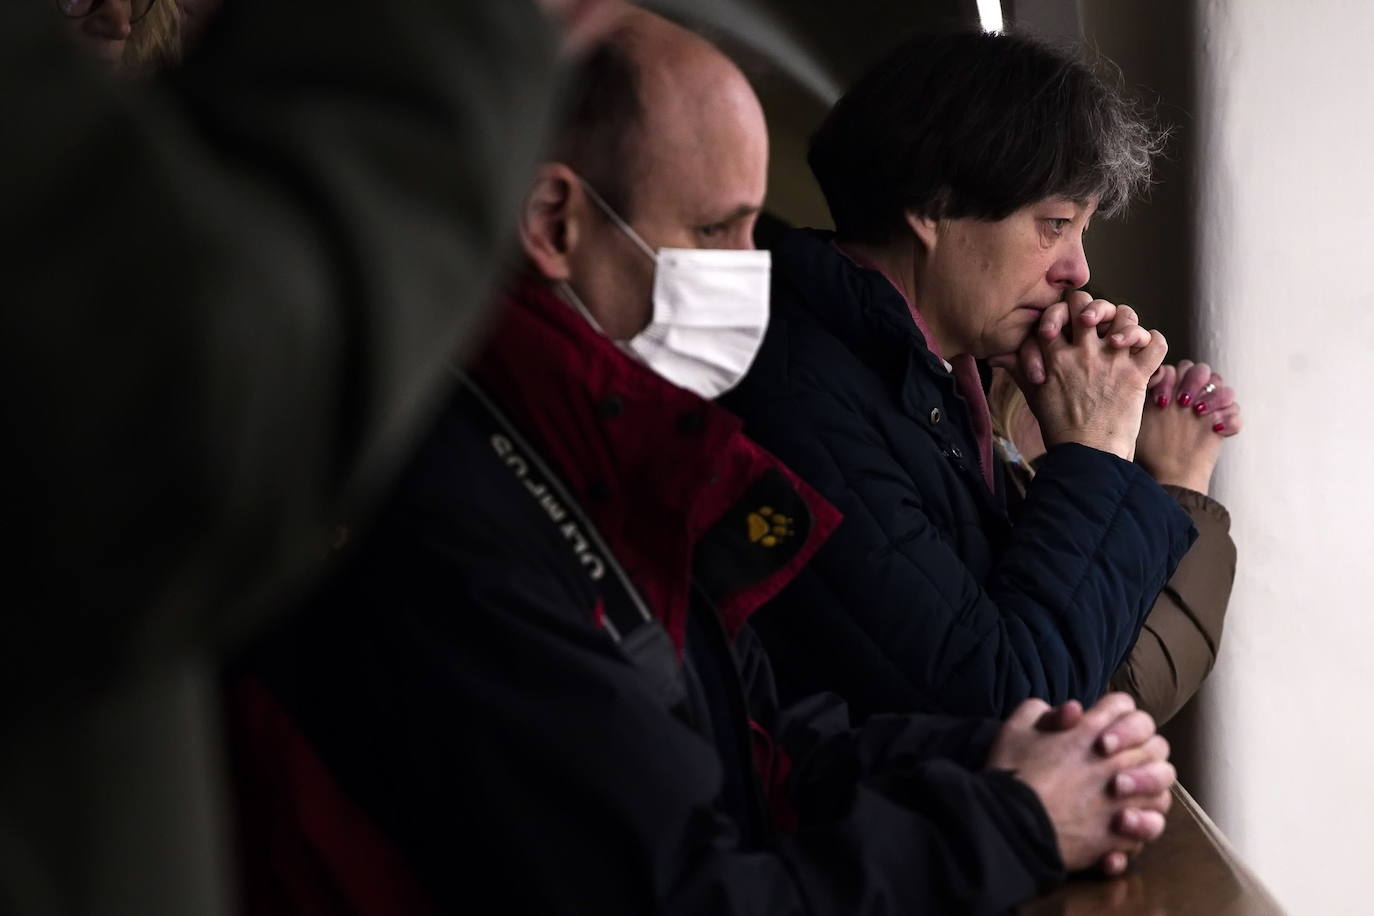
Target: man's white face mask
{"points": [[710, 312]]}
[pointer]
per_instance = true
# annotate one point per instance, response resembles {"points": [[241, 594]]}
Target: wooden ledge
{"points": [[1191, 869]]}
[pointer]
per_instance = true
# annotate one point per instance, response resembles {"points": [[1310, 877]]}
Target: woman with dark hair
{"points": [[961, 175]]}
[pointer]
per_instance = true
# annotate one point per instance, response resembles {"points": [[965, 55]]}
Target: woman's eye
{"points": [[711, 231], [1058, 224]]}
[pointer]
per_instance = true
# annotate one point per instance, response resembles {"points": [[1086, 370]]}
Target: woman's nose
{"points": [[111, 20], [1070, 271]]}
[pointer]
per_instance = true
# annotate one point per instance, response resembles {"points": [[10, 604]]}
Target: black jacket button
{"points": [[611, 407], [936, 415], [689, 424]]}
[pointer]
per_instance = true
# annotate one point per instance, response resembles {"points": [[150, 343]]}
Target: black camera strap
{"points": [[628, 620]]}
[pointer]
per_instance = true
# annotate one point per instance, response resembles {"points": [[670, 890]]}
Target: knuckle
{"points": [[1118, 703], [1142, 723], [1160, 779], [1138, 826], [1110, 708], [1128, 726]]}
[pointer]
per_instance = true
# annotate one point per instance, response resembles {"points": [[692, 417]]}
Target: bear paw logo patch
{"points": [[769, 528], [756, 538]]}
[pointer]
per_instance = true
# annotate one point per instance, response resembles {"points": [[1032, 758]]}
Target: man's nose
{"points": [[111, 20]]}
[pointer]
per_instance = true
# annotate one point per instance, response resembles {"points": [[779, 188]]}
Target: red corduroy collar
{"points": [[655, 466]]}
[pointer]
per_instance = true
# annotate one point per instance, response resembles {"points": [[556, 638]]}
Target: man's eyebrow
{"points": [[738, 213]]}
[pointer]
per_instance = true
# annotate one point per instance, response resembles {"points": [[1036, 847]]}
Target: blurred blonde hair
{"points": [[155, 42], [1007, 405]]}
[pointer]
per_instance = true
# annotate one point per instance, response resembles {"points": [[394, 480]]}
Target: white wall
{"points": [[1286, 247]]}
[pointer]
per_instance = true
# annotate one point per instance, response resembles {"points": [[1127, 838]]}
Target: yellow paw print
{"points": [[769, 528]]}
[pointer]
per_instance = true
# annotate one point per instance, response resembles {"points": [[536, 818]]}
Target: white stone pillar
{"points": [[1285, 226]]}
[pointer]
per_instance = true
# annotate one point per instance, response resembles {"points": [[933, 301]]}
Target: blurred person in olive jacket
{"points": [[230, 299]]}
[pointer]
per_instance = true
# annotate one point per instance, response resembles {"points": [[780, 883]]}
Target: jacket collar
{"points": [[861, 306], [857, 305], [667, 477]]}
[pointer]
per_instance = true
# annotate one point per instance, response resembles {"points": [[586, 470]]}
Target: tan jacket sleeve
{"points": [[1178, 644]]}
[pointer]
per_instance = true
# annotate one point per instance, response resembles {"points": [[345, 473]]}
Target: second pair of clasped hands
{"points": [[1102, 774], [1086, 372]]}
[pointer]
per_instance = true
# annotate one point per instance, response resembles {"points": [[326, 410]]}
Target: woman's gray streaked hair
{"points": [[973, 124], [1130, 141]]}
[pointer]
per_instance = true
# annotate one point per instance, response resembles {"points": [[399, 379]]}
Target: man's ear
{"points": [[927, 229], [551, 220]]}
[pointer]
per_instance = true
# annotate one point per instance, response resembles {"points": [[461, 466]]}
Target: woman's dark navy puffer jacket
{"points": [[929, 596]]}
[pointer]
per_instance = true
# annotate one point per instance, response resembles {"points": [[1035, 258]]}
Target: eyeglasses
{"points": [[80, 9]]}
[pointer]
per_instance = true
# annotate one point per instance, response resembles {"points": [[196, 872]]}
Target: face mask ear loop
{"points": [[573, 299], [615, 218]]}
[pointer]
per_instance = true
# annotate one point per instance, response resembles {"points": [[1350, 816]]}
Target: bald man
{"points": [[532, 685]]}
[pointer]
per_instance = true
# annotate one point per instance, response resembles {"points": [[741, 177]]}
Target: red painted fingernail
{"points": [[1220, 427], [1200, 406], [1162, 401], [1185, 399]]}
